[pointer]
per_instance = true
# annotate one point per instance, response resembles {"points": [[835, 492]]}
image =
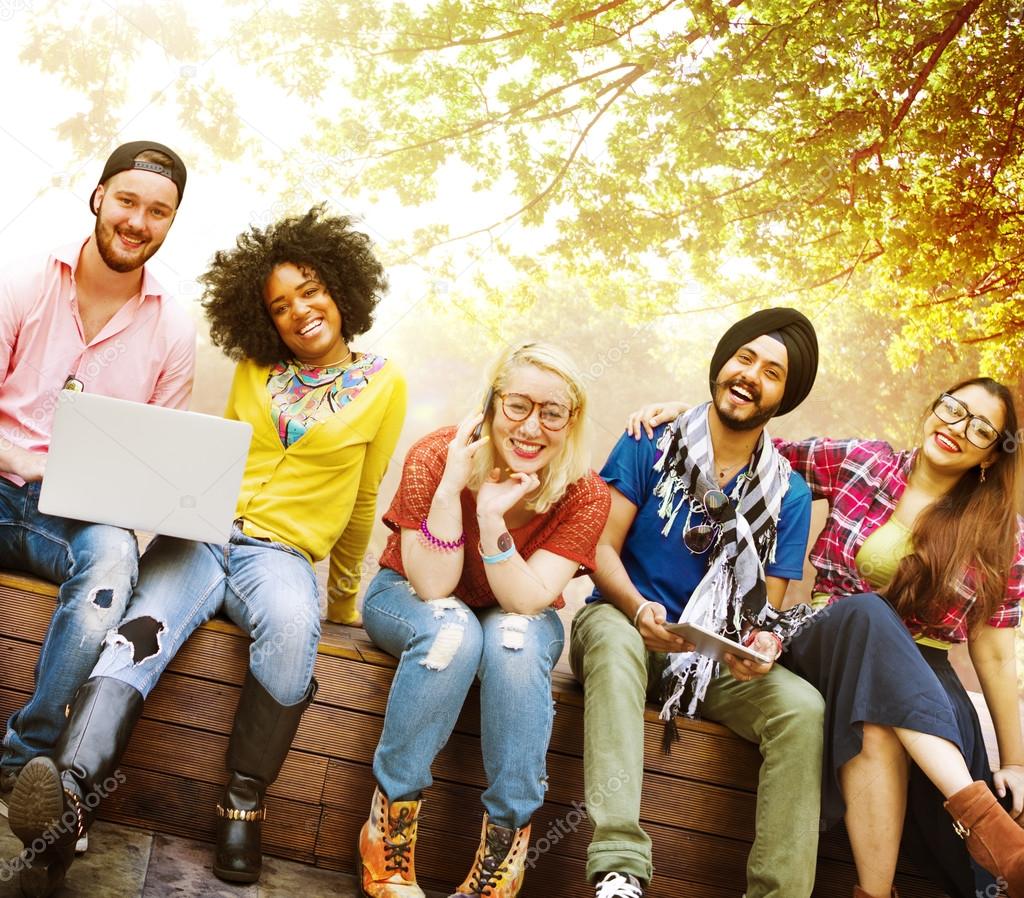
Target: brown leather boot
{"points": [[386, 849], [858, 892], [500, 865], [993, 837]]}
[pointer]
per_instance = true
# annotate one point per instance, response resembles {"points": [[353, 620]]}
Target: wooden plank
{"points": [[198, 755], [443, 859], [187, 807], [698, 802]]}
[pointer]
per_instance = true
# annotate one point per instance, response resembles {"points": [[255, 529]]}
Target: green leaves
{"points": [[867, 152]]}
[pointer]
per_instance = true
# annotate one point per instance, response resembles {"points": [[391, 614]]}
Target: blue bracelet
{"points": [[499, 558]]}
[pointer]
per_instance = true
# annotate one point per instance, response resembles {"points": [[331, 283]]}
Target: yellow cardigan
{"points": [[319, 494]]}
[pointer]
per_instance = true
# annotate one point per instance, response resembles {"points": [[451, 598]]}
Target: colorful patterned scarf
{"points": [[301, 396]]}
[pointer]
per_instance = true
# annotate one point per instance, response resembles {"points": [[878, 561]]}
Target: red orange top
{"points": [[569, 528]]}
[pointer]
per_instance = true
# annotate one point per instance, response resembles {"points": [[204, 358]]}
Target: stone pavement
{"points": [[124, 862]]}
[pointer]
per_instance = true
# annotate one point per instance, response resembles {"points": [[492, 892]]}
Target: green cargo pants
{"points": [[780, 712]]}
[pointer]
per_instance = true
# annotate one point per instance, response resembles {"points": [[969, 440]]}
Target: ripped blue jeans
{"points": [[94, 566], [442, 646], [266, 588]]}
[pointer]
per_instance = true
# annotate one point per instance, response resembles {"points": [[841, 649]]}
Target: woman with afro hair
{"points": [[285, 303]]}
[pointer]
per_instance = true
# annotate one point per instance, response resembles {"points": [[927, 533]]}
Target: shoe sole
{"points": [[37, 801], [234, 875]]}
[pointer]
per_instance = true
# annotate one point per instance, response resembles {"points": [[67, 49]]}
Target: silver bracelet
{"points": [[640, 611]]}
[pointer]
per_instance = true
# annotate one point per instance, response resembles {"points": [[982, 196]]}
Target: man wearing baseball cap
{"points": [[88, 316], [708, 524]]}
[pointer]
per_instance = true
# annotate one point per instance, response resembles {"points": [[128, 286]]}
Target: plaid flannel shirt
{"points": [[862, 480]]}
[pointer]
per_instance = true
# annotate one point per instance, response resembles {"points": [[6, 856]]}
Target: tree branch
{"points": [[559, 176], [945, 38], [505, 35], [497, 119], [1015, 327]]}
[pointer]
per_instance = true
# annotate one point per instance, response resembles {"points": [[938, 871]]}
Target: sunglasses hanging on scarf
{"points": [[698, 538]]}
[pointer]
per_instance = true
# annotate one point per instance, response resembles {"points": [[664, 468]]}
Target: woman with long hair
{"points": [[285, 303], [491, 521], [922, 549]]}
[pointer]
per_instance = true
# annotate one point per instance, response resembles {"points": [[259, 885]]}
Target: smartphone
{"points": [[713, 645], [488, 399]]}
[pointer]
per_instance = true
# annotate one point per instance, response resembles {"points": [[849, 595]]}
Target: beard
{"points": [[117, 261], [760, 416]]}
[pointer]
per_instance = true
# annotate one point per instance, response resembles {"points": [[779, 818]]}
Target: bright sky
{"points": [[44, 188]]}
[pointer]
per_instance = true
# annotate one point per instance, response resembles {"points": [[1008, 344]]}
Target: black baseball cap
{"points": [[124, 159]]}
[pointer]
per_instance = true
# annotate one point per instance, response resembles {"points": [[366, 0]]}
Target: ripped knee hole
{"points": [[143, 634]]}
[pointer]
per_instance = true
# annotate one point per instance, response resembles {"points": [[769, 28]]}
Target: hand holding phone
{"points": [[488, 399]]}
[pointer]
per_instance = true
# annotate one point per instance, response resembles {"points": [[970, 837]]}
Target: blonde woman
{"points": [[491, 521]]}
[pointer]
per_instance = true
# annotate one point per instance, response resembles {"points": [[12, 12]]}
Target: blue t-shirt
{"points": [[661, 567]]}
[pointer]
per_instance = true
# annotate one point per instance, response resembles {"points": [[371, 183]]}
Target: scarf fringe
{"points": [[670, 734], [735, 573]]}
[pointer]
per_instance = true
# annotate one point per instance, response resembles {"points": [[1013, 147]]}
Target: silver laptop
{"points": [[144, 467]]}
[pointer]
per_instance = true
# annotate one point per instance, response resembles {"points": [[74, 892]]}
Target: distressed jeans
{"points": [[442, 646], [268, 589], [780, 712], [94, 566]]}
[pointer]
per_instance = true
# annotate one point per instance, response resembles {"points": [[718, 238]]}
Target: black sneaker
{"points": [[8, 777], [618, 885]]}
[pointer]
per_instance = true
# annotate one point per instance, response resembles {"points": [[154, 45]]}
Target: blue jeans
{"points": [[267, 588], [442, 646], [95, 566]]}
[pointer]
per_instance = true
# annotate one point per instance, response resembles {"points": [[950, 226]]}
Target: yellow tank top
{"points": [[877, 560], [879, 557]]}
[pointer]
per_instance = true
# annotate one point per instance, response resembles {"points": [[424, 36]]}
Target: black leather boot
{"points": [[54, 800], [260, 740]]}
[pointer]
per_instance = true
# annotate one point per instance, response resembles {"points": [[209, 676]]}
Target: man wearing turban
{"points": [[708, 525]]}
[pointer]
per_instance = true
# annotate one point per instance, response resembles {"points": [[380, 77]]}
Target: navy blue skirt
{"points": [[861, 657]]}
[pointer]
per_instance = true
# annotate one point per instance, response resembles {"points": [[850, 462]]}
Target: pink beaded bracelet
{"points": [[439, 545]]}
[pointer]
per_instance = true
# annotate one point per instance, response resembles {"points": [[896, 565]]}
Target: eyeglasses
{"points": [[980, 431], [700, 538], [553, 415]]}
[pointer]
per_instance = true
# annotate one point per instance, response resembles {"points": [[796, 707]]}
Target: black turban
{"points": [[123, 159], [801, 344]]}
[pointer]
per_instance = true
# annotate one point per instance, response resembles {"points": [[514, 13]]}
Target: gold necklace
{"points": [[336, 364], [723, 471]]}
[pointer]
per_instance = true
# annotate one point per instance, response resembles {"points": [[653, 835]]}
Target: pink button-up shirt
{"points": [[146, 352]]}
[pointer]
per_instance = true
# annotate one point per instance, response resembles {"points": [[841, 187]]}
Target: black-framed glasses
{"points": [[701, 537], [980, 432], [553, 415]]}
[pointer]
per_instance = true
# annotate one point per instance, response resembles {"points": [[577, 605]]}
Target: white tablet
{"points": [[709, 643]]}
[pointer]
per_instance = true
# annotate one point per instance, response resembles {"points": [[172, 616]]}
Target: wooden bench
{"points": [[698, 803]]}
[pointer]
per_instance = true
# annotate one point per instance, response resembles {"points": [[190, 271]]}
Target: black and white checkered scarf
{"points": [[732, 597]]}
